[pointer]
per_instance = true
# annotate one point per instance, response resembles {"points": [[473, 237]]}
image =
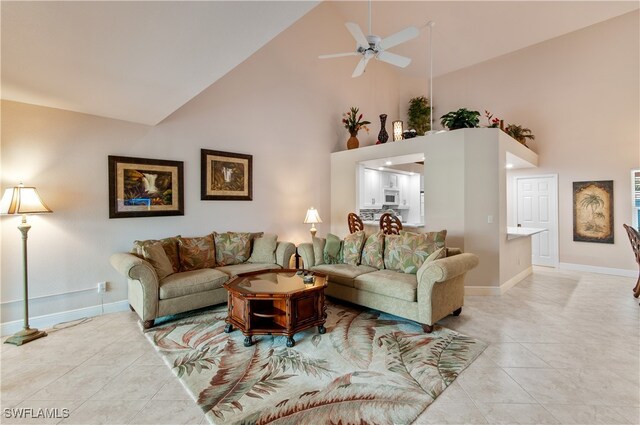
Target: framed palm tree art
{"points": [[593, 211]]}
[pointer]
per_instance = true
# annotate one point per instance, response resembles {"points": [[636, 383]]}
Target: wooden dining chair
{"points": [[355, 223], [390, 224], [634, 238]]}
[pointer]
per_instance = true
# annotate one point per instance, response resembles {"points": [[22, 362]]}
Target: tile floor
{"points": [[563, 348]]}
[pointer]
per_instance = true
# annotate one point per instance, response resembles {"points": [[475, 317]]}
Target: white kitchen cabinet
{"points": [[372, 193], [403, 185]]}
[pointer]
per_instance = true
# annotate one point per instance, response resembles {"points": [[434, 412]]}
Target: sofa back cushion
{"points": [[197, 253], [157, 257], [352, 248], [232, 248], [407, 251], [264, 249], [332, 250], [170, 246], [373, 251]]}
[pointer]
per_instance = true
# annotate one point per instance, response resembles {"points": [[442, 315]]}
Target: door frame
{"points": [[554, 212]]}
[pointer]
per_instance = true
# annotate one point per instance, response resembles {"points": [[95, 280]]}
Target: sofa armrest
{"points": [[447, 268], [284, 251], [139, 272], [305, 251]]}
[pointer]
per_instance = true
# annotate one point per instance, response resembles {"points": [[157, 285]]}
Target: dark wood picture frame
{"points": [[226, 176], [593, 211], [143, 187]]}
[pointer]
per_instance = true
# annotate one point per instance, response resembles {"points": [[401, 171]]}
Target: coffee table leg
{"points": [[290, 342], [228, 328], [247, 341], [322, 329]]}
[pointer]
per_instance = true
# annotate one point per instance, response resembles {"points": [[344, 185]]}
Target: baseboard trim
{"points": [[49, 320], [498, 290], [596, 269]]}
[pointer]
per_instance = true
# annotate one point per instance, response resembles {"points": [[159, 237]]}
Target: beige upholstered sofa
{"points": [[434, 292], [153, 295]]}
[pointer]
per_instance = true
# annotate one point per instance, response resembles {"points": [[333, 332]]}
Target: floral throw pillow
{"points": [[408, 251], [197, 253], [352, 248], [373, 251], [232, 248], [434, 240], [170, 246]]}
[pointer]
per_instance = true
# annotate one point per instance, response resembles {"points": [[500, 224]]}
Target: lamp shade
{"points": [[22, 200], [312, 216]]}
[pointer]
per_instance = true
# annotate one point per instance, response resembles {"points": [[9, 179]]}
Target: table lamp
{"points": [[312, 217], [23, 200]]}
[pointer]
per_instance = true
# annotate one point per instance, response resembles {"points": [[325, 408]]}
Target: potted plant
{"points": [[462, 118], [419, 115], [519, 133], [353, 123]]}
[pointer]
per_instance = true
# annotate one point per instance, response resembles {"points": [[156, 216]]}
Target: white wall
{"points": [[580, 95], [282, 105]]}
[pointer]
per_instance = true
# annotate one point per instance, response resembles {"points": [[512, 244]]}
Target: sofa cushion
{"points": [[405, 253], [389, 283], [373, 251], [264, 249], [196, 253], [170, 246], [318, 250], [236, 269], [434, 240], [157, 257], [342, 273], [191, 282], [352, 248], [332, 250], [232, 248]]}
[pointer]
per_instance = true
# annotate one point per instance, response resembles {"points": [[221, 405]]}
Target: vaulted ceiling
{"points": [[141, 61]]}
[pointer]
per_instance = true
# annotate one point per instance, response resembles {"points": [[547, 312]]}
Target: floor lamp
{"points": [[23, 200]]}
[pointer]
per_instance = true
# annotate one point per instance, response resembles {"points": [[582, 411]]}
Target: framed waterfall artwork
{"points": [[593, 211], [226, 176], [141, 187]]}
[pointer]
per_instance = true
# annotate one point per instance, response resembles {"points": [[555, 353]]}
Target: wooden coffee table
{"points": [[275, 302]]}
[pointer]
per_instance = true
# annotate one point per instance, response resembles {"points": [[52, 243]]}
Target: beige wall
{"points": [[579, 94], [282, 105]]}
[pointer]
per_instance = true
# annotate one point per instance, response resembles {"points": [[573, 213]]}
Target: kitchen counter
{"points": [[377, 223], [519, 232]]}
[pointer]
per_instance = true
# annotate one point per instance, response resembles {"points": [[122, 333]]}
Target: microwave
{"points": [[391, 196]]}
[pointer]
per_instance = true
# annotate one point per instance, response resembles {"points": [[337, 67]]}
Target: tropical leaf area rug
{"points": [[369, 368]]}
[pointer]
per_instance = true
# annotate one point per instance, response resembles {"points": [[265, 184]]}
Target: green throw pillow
{"points": [[408, 251], [232, 248], [373, 251], [170, 246], [197, 253], [352, 248], [318, 250], [333, 250], [264, 249]]}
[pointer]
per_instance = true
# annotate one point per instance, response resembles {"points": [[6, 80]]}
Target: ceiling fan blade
{"points": [[357, 34], [360, 67], [393, 59], [338, 55], [399, 37]]}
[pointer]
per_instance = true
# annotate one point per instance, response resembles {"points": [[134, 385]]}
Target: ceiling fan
{"points": [[371, 46]]}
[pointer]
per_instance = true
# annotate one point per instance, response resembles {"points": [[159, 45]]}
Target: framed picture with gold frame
{"points": [[226, 176], [593, 211], [142, 187]]}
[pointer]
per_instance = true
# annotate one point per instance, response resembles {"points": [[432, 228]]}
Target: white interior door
{"points": [[537, 203]]}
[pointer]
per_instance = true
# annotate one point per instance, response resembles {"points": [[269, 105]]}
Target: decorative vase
{"points": [[353, 141], [383, 136]]}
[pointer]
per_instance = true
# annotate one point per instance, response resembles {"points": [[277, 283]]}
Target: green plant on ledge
{"points": [[519, 133], [419, 115], [462, 118]]}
